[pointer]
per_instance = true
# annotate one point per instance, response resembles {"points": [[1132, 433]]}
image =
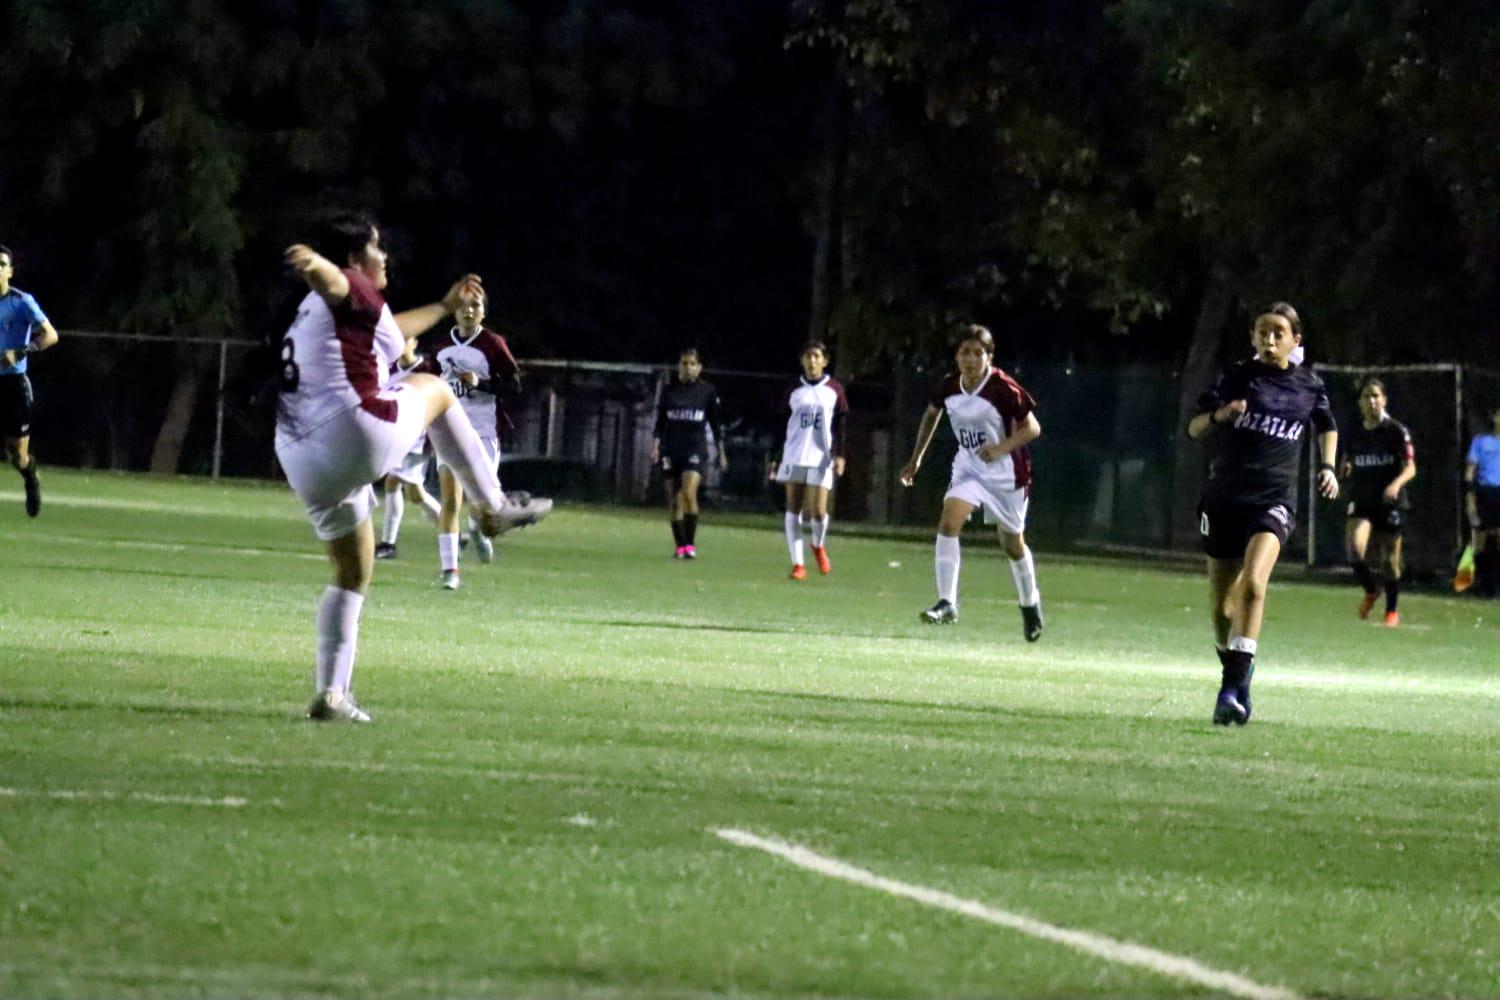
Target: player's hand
{"points": [[909, 474], [301, 258], [469, 379], [990, 452], [1328, 484], [838, 466], [1230, 410], [1392, 491], [723, 461], [470, 286], [655, 452], [10, 356]]}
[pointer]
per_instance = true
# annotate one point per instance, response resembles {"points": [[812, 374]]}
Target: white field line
{"points": [[185, 547], [227, 802], [253, 511], [1107, 948]]}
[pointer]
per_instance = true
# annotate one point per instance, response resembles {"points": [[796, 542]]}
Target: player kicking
{"points": [[1378, 463], [811, 458], [408, 480], [995, 422], [1249, 507], [685, 415], [479, 368], [340, 426], [24, 331]]}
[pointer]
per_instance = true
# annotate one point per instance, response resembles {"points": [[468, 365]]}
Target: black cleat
{"points": [[1228, 709], [33, 491], [385, 550], [1242, 693], [941, 613], [1031, 622]]}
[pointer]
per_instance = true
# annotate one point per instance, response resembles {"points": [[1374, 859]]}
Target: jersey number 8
{"points": [[291, 375]]}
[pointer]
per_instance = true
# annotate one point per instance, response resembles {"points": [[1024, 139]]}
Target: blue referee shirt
{"points": [[19, 315], [1484, 454]]}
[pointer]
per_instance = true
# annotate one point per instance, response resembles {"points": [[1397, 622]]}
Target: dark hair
{"points": [[814, 345], [1285, 310], [6, 250], [690, 352], [973, 331], [1372, 380], [344, 235]]}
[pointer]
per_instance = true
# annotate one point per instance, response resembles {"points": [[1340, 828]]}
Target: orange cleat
{"points": [[1392, 619], [821, 555], [799, 572], [1365, 604]]}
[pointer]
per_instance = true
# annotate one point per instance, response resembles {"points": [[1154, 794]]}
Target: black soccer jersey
{"points": [[684, 415], [1378, 454], [1259, 457]]}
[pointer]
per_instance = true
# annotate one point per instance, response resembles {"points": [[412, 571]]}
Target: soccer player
{"points": [[24, 331], [1482, 504], [685, 415], [1378, 463], [1261, 408], [812, 457], [995, 422], [408, 480], [479, 368], [340, 427]]}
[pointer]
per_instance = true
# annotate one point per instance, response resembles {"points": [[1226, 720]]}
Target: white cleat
{"points": [[483, 547], [450, 580], [518, 511], [335, 706]]}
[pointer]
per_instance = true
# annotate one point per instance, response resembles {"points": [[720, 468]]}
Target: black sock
{"points": [[1236, 666], [690, 528], [1392, 595], [1364, 576], [678, 534]]}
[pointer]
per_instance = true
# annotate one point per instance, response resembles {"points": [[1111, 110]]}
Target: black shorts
{"points": [[15, 406], [1386, 518], [675, 463], [1487, 506], [1226, 525]]}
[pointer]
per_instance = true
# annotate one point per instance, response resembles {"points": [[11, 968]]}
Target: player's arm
{"points": [[1407, 474], [715, 417], [1026, 431], [925, 431], [838, 425], [415, 322], [47, 338], [1328, 450], [1471, 505], [1200, 425], [321, 274]]}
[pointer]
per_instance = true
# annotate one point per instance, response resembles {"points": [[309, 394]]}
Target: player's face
{"points": [[973, 359], [813, 363], [689, 368], [6, 269], [373, 260], [1273, 339], [1371, 402], [470, 312]]}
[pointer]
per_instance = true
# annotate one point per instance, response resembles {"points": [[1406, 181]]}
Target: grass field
{"points": [[533, 811]]}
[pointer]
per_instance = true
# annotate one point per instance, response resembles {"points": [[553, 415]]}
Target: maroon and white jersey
{"points": [[337, 358], [486, 355], [815, 430], [987, 415]]}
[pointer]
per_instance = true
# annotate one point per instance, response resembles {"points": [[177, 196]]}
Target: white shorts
{"points": [[491, 446], [331, 469], [1002, 505], [813, 475], [413, 467]]}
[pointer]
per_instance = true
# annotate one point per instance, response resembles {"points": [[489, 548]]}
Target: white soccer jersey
{"points": [[335, 359], [815, 430], [486, 355], [987, 415]]}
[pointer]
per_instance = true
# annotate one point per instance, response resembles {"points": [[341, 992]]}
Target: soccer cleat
{"points": [[799, 572], [1242, 694], [941, 613], [1392, 619], [518, 511], [820, 553], [1228, 708], [679, 553], [335, 706], [688, 552], [385, 550], [1365, 604], [450, 580], [1031, 622], [33, 490], [483, 547]]}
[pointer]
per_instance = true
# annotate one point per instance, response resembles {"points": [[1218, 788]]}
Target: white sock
{"points": [[1239, 644], [945, 561], [793, 527], [1023, 572], [338, 632], [431, 509], [819, 531], [390, 521], [448, 552], [459, 448]]}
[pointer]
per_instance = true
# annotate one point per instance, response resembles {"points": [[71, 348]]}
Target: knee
{"points": [[1014, 545], [1252, 591]]}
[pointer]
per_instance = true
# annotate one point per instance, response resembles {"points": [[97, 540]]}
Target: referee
{"points": [[1482, 503]]}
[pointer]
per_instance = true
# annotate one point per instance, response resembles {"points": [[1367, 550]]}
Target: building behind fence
{"points": [[582, 432]]}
